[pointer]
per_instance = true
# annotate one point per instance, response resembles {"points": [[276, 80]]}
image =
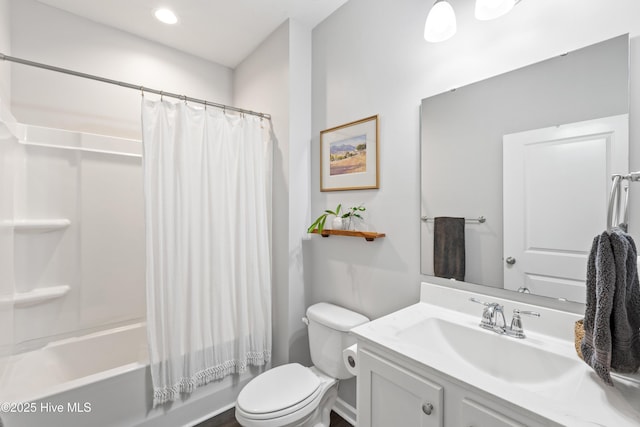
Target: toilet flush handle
{"points": [[305, 321]]}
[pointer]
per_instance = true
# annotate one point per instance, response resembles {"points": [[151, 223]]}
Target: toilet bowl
{"points": [[291, 395], [294, 395]]}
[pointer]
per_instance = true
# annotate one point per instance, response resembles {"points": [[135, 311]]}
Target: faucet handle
{"points": [[516, 330], [526, 312], [487, 304]]}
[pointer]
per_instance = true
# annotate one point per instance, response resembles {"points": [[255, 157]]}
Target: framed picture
{"points": [[349, 156]]}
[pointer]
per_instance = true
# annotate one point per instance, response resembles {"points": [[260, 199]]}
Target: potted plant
{"points": [[353, 212], [322, 219], [338, 222]]}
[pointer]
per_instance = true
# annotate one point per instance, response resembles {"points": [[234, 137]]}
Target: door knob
{"points": [[427, 408], [511, 260]]}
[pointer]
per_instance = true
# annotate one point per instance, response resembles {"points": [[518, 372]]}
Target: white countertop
{"points": [[576, 398]]}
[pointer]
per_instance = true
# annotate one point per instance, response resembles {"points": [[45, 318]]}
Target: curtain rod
{"points": [[143, 89]]}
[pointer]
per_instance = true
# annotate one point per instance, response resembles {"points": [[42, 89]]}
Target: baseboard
{"points": [[212, 414], [346, 411]]}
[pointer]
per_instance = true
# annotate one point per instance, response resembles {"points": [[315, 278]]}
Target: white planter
{"points": [[336, 224]]}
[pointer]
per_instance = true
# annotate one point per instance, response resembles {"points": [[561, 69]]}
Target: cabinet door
{"points": [[389, 395], [476, 415]]}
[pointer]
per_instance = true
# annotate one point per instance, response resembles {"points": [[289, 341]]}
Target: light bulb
{"points": [[166, 16], [441, 22], [492, 9]]}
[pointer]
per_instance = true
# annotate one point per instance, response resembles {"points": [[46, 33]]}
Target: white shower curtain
{"points": [[207, 200]]}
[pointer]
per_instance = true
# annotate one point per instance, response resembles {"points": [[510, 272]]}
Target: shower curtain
{"points": [[208, 275]]}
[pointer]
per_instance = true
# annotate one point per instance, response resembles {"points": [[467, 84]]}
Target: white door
{"points": [[556, 186]]}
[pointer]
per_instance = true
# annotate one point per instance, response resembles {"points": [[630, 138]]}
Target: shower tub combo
{"points": [[72, 296]]}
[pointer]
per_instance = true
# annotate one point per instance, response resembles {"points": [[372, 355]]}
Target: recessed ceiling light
{"points": [[166, 16]]}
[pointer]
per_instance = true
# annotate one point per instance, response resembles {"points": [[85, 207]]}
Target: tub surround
{"points": [[101, 379], [552, 385]]}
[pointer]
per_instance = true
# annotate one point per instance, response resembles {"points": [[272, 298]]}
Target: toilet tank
{"points": [[329, 327]]}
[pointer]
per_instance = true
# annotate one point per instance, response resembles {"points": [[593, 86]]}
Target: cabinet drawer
{"points": [[474, 414]]}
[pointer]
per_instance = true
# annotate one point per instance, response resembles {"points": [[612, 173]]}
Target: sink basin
{"points": [[497, 355]]}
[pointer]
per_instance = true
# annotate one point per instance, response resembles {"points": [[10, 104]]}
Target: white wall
{"points": [[371, 58], [101, 255], [276, 78], [44, 34], [7, 143], [5, 47]]}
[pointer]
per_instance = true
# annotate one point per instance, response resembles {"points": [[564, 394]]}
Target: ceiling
{"points": [[221, 31]]}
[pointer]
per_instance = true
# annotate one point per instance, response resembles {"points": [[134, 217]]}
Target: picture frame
{"points": [[350, 156]]}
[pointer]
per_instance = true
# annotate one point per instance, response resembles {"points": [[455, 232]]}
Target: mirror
{"points": [[462, 133]]}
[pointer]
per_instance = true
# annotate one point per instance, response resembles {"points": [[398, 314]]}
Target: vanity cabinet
{"points": [[395, 392]]}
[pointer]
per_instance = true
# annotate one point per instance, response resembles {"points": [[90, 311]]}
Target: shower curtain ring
{"points": [[161, 96], [142, 90], [185, 99], [205, 105]]}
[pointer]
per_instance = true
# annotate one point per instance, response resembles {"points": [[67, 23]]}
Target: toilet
{"points": [[294, 395]]}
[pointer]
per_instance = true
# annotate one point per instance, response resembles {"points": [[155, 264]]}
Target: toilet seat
{"points": [[279, 392]]}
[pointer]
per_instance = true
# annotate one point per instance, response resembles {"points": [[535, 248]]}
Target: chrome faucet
{"points": [[492, 316], [493, 319]]}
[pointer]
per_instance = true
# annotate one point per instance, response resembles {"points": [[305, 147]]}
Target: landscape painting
{"points": [[348, 156]]}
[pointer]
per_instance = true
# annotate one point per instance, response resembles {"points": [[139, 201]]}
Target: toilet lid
{"points": [[278, 389]]}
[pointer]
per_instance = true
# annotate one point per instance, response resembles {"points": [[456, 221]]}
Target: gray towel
{"points": [[448, 248], [612, 317]]}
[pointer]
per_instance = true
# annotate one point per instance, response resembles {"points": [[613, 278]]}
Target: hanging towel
{"points": [[448, 248], [612, 317]]}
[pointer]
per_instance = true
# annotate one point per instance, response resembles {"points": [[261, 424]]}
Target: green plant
{"points": [[353, 212], [322, 219]]}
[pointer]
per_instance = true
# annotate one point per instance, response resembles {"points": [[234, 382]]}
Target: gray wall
{"points": [[371, 58]]}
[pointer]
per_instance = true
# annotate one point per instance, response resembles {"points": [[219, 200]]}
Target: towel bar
{"points": [[479, 220]]}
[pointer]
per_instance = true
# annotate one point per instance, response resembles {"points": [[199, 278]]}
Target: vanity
{"points": [[431, 364]]}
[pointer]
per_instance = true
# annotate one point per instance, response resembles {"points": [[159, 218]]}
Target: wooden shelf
{"points": [[369, 236]]}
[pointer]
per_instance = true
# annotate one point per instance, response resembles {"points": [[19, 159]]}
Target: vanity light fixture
{"points": [[441, 20], [166, 16]]}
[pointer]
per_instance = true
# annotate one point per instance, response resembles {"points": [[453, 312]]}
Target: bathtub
{"points": [[100, 379]]}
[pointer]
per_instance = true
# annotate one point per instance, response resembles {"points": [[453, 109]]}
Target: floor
{"points": [[227, 419]]}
